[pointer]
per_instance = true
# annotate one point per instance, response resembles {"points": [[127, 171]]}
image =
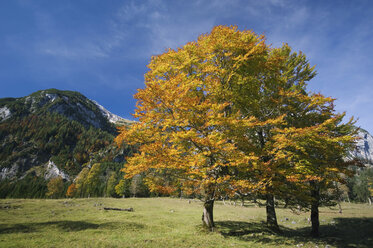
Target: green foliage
{"points": [[111, 183], [123, 188], [69, 142], [138, 187], [56, 188], [92, 180], [80, 182], [361, 186], [30, 186]]}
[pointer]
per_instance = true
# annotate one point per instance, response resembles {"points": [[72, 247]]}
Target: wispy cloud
{"points": [[157, 26], [86, 51], [106, 45]]}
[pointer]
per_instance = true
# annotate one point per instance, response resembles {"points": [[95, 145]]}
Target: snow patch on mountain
{"points": [[110, 116], [5, 113], [51, 97]]}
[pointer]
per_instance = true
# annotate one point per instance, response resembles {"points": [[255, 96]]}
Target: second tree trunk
{"points": [[315, 194], [208, 216], [271, 212]]}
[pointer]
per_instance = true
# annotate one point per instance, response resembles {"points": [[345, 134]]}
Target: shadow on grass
{"points": [[66, 226], [344, 232]]}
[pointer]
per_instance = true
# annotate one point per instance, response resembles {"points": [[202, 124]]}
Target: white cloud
{"points": [[73, 52]]}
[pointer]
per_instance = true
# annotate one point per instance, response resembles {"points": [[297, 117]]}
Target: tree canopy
{"points": [[228, 113]]}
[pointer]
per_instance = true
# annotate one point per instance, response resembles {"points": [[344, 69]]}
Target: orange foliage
{"points": [[187, 126], [71, 190], [228, 113]]}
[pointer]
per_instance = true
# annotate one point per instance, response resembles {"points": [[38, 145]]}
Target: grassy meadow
{"points": [[167, 222]]}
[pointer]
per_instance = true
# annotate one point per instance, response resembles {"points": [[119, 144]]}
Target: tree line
{"points": [[100, 180]]}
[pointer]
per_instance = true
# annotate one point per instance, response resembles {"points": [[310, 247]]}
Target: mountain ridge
{"points": [[72, 104], [53, 133]]}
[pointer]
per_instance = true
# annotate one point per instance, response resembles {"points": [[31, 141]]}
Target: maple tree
{"points": [[299, 155], [275, 99], [317, 155], [215, 118], [311, 152], [268, 98], [304, 114], [188, 126]]}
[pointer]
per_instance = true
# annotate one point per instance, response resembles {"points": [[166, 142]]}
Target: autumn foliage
{"points": [[71, 190], [55, 187], [227, 114]]}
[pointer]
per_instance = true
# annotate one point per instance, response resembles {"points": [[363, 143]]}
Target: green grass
{"points": [[166, 222]]}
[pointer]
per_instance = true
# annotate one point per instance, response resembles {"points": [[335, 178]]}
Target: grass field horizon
{"points": [[171, 222]]}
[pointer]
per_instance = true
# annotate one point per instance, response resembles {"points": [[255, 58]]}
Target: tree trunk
{"points": [[271, 212], [208, 216], [315, 194], [339, 207], [286, 200], [369, 200]]}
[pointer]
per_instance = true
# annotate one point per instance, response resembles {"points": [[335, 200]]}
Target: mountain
{"points": [[54, 133], [364, 147], [70, 104]]}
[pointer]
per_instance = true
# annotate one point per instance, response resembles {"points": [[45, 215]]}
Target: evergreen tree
{"points": [[111, 183]]}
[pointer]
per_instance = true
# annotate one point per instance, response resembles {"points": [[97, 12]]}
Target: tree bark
{"points": [[286, 200], [339, 207], [315, 194], [208, 216], [271, 212]]}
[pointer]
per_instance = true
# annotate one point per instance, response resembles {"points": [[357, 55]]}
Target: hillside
{"points": [[364, 147], [54, 133]]}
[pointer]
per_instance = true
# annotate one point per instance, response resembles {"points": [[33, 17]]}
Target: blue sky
{"points": [[101, 48]]}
